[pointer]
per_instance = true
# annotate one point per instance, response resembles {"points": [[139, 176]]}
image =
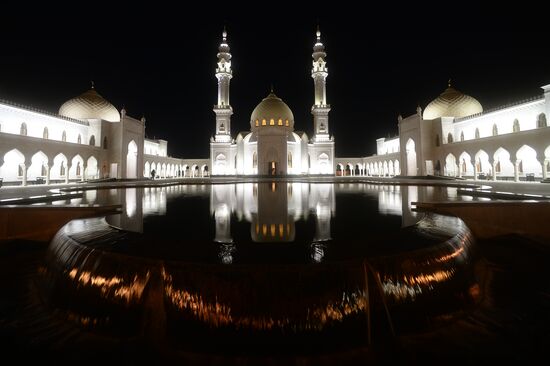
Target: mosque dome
{"points": [[89, 105], [452, 103], [272, 108]]}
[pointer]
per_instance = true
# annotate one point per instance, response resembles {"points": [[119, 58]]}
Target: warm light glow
{"points": [[264, 122], [280, 122], [272, 122]]}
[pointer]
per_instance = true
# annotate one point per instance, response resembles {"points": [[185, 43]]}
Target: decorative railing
{"points": [[491, 110], [36, 110]]}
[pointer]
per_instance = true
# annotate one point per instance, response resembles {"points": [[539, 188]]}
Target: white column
{"points": [[48, 168], [516, 170], [25, 168], [67, 173], [83, 172]]}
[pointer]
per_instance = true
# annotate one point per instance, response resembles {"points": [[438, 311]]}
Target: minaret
{"points": [[320, 108], [223, 109]]}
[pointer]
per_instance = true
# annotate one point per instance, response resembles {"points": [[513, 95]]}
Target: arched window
{"points": [[23, 129], [450, 138], [45, 133], [286, 123], [462, 136], [64, 136], [495, 130], [272, 122], [280, 122], [264, 123], [222, 127], [92, 140], [437, 140], [541, 121], [79, 139], [254, 160], [515, 127], [477, 133], [257, 123], [105, 142], [290, 160], [322, 128]]}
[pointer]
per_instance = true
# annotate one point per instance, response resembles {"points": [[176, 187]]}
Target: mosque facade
{"points": [[89, 139]]}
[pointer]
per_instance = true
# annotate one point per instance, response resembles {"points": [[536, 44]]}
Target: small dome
{"points": [[272, 107], [452, 103], [89, 105]]}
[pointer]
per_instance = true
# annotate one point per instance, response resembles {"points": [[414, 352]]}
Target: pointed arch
{"points": [[410, 149], [92, 140], [92, 171], [12, 169], [23, 129], [131, 160], [528, 164], [451, 169], [449, 137], [38, 167], [79, 139]]}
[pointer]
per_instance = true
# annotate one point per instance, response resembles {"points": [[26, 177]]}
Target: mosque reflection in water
{"points": [[421, 273]]}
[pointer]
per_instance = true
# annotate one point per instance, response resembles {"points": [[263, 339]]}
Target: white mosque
{"points": [[88, 138], [272, 147]]}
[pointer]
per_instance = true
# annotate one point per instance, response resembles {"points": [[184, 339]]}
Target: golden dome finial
{"points": [[449, 83], [224, 33], [318, 33], [93, 84], [271, 87]]}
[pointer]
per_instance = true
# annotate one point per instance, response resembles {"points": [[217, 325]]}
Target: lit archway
{"points": [[77, 167], [482, 163], [59, 168], [528, 165], [323, 161], [503, 166], [451, 169], [39, 167], [12, 169], [92, 171], [410, 148], [131, 160], [204, 170], [465, 165]]}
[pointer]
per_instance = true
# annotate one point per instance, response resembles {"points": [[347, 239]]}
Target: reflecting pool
{"points": [[277, 269]]}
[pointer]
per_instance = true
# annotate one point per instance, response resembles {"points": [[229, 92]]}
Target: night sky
{"points": [[160, 63]]}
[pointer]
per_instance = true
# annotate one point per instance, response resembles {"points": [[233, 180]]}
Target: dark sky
{"points": [[160, 63]]}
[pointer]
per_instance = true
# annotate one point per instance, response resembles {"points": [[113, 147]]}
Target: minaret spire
{"points": [[319, 73], [224, 74], [321, 147]]}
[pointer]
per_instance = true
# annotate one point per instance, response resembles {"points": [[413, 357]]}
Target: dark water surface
{"points": [[259, 272]]}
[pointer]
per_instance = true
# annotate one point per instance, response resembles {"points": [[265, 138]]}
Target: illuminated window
{"points": [[264, 122], [280, 122], [23, 129], [64, 136], [272, 229], [45, 134], [541, 120], [495, 130], [281, 230], [272, 122], [515, 127], [257, 123], [477, 133], [286, 123], [264, 230]]}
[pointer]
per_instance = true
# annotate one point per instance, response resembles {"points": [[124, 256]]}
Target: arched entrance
{"points": [[451, 169], [410, 149], [131, 160]]}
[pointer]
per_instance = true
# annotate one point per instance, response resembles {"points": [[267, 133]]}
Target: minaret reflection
{"points": [[272, 209]]}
